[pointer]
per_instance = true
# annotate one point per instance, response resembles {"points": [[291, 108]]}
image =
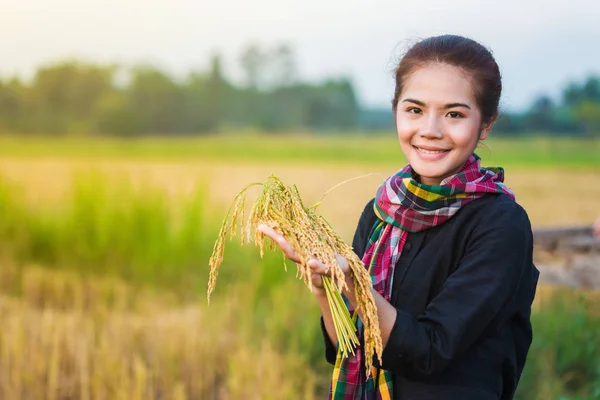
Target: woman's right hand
{"points": [[291, 254]]}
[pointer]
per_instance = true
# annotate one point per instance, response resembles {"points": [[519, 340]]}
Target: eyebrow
{"points": [[449, 105]]}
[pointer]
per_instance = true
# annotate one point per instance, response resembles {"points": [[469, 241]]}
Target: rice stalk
{"points": [[281, 207]]}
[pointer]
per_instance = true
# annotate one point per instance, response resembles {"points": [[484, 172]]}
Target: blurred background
{"points": [[128, 127]]}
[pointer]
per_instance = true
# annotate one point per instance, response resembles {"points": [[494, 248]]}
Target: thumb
{"points": [[343, 263]]}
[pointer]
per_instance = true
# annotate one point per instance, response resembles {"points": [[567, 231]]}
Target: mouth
{"points": [[431, 153], [430, 150]]}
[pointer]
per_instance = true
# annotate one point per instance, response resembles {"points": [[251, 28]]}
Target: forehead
{"points": [[439, 83]]}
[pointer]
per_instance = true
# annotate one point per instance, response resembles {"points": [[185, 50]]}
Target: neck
{"points": [[427, 181]]}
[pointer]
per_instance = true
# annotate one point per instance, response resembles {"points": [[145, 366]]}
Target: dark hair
{"points": [[460, 52]]}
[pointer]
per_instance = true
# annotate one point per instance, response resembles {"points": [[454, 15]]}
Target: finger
{"points": [[268, 231], [285, 246], [316, 266], [343, 263], [287, 249], [317, 281]]}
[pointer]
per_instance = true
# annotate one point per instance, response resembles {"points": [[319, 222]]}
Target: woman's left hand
{"points": [[317, 267]]}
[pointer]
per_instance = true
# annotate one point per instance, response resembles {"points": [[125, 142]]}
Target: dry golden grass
{"points": [[127, 343], [67, 337]]}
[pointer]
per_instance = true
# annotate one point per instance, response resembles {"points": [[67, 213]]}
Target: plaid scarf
{"points": [[403, 205]]}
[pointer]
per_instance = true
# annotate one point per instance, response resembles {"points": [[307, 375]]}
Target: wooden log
{"points": [[561, 231], [565, 239], [581, 272], [579, 250], [579, 244]]}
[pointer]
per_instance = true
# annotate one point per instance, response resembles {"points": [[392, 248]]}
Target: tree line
{"points": [[87, 98], [576, 112], [78, 97]]}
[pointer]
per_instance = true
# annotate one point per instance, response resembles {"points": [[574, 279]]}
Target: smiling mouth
{"points": [[429, 151]]}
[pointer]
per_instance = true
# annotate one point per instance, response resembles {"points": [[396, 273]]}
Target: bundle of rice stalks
{"points": [[280, 207]]}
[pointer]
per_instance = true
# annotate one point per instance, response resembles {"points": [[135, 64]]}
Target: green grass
{"points": [[564, 359], [354, 149]]}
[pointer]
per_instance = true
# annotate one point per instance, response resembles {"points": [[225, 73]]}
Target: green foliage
{"points": [[564, 359], [588, 112], [109, 228], [116, 115], [576, 114], [75, 97]]}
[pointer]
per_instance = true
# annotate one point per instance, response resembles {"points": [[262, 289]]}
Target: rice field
{"points": [[104, 249]]}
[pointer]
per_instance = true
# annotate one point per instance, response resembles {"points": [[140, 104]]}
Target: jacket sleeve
{"points": [[479, 292]]}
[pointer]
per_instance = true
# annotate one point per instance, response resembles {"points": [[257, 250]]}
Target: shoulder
{"points": [[504, 211], [491, 223], [495, 211], [498, 221]]}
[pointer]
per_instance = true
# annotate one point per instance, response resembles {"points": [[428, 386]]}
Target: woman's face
{"points": [[438, 121]]}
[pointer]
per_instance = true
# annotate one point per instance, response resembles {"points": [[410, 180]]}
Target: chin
{"points": [[435, 176], [428, 168], [430, 172]]}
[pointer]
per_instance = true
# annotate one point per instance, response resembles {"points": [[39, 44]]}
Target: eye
{"points": [[414, 110], [455, 114]]}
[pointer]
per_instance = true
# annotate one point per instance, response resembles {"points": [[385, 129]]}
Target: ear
{"points": [[487, 127]]}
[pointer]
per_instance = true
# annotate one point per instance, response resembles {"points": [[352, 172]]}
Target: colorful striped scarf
{"points": [[404, 205]]}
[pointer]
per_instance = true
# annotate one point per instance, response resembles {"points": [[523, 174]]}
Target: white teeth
{"points": [[431, 151]]}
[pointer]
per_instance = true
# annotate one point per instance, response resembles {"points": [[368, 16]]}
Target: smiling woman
{"points": [[446, 100], [438, 122], [448, 248]]}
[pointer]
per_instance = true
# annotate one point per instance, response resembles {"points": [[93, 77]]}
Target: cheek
{"points": [[405, 129], [463, 135]]}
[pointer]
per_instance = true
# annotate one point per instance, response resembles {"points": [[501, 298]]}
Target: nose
{"points": [[431, 128]]}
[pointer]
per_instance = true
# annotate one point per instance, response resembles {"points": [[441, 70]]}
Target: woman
{"points": [[453, 276]]}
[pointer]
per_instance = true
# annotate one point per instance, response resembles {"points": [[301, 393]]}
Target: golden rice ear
{"points": [[281, 207]]}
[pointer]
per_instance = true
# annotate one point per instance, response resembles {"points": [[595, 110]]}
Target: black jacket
{"points": [[463, 292]]}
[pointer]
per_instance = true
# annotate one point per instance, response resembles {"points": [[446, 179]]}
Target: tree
{"points": [[588, 113], [332, 105], [253, 62], [575, 93], [71, 88], [200, 112], [11, 104], [541, 114], [283, 66], [156, 100], [572, 95], [114, 115], [216, 92], [591, 89]]}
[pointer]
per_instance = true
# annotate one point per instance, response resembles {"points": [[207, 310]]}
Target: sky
{"points": [[539, 45]]}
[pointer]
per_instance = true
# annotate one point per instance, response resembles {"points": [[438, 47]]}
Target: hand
{"points": [[317, 268], [291, 254]]}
